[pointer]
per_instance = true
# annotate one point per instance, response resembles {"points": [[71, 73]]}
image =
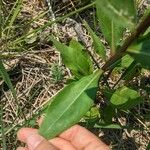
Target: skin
{"points": [[75, 138]]}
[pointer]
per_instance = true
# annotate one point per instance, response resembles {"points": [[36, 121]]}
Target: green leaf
{"points": [[108, 113], [125, 98], [141, 53], [114, 17], [92, 113], [108, 126], [126, 61], [98, 45], [82, 54], [108, 93], [116, 126], [121, 12], [122, 63], [146, 36], [75, 58], [7, 80], [14, 13], [70, 105], [131, 71]]}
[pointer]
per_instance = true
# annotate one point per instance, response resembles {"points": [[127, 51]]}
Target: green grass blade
{"points": [[1, 17], [129, 73], [37, 17], [20, 39], [2, 129], [7, 80], [11, 11], [15, 11]]}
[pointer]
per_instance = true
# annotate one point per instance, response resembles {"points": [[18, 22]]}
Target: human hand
{"points": [[75, 138]]}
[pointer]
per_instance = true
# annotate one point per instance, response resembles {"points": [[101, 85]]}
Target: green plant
{"points": [[131, 54], [13, 37], [5, 27], [57, 73], [128, 57], [16, 38]]}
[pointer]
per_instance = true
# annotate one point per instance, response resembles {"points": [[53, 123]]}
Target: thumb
{"points": [[37, 142]]}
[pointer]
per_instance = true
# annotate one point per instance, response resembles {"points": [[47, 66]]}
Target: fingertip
{"points": [[30, 137], [24, 133]]}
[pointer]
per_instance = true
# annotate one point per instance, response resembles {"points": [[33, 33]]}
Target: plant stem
{"points": [[141, 28]]}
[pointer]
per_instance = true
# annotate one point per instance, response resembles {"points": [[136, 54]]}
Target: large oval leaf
{"points": [[75, 58], [69, 105], [125, 98]]}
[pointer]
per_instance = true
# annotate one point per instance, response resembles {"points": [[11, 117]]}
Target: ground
{"points": [[38, 74]]}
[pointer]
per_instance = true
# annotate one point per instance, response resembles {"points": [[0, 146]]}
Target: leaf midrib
{"points": [[138, 52], [73, 102]]}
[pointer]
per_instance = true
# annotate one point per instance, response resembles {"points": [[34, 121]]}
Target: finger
{"points": [[24, 132], [81, 138], [33, 140], [62, 144], [58, 142]]}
